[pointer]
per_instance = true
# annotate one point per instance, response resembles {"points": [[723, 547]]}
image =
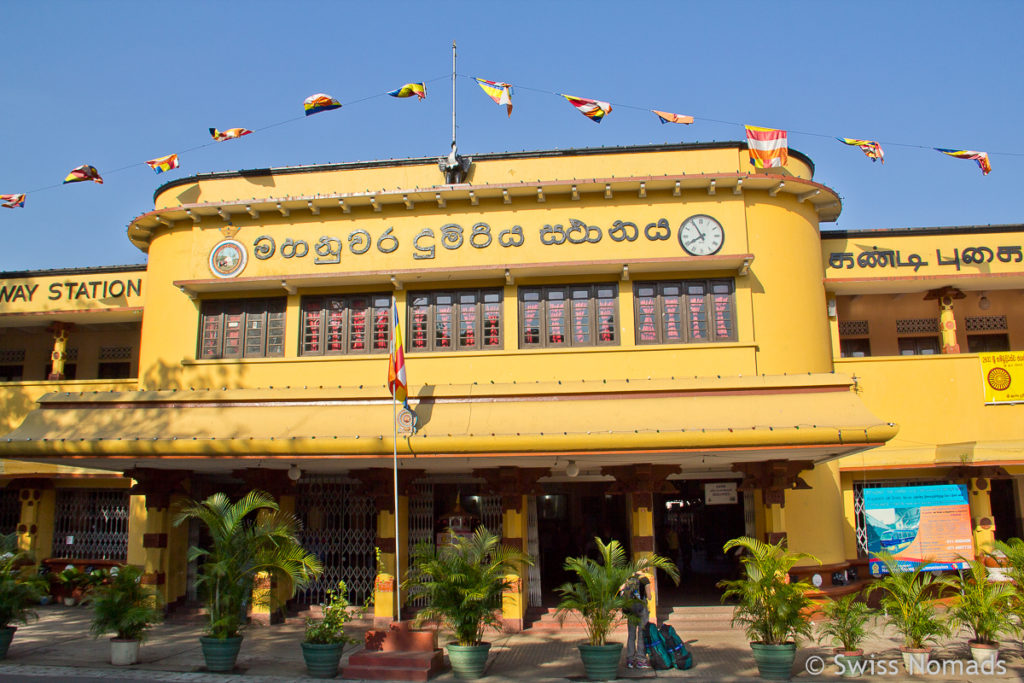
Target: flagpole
{"points": [[453, 94], [398, 546]]}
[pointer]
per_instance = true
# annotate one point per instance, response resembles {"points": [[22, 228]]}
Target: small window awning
{"points": [[807, 417]]}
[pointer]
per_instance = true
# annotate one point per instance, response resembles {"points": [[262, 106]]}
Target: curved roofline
{"points": [[939, 230], [489, 156], [72, 271]]}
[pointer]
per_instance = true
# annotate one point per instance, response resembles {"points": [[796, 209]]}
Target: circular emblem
{"points": [[701, 235], [228, 258], [998, 379], [407, 421]]}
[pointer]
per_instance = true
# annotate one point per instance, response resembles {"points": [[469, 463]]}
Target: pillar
{"points": [[59, 355], [151, 520], [947, 320], [35, 525], [982, 521]]}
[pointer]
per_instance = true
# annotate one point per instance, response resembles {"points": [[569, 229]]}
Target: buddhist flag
{"points": [[980, 157], [410, 89], [314, 104], [501, 93], [397, 384], [669, 117], [768, 147], [12, 201], [595, 110], [161, 164], [229, 134], [872, 149], [82, 173]]}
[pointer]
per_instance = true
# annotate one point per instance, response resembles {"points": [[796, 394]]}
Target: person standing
{"points": [[636, 588]]}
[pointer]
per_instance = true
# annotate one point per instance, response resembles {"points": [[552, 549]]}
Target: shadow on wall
{"points": [[164, 376]]}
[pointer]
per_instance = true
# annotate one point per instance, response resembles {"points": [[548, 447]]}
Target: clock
{"points": [[701, 235]]}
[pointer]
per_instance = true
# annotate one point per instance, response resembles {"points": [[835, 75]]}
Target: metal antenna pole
{"points": [[453, 94]]}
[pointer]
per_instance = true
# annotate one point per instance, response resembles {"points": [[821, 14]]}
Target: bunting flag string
{"points": [[314, 104], [768, 147], [669, 117], [83, 173], [500, 92], [980, 157], [161, 164], [410, 89], [870, 148], [229, 134], [12, 201], [595, 110]]}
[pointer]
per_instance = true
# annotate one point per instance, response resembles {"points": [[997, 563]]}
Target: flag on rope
{"points": [[768, 147], [410, 89], [397, 384], [500, 92], [161, 164], [229, 134], [12, 201], [872, 149], [595, 110], [314, 104], [980, 157], [82, 173], [669, 117]]}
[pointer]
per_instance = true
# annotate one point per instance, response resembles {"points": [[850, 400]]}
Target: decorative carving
{"points": [[773, 477], [157, 485], [274, 482], [512, 483], [966, 472], [641, 478], [379, 484]]}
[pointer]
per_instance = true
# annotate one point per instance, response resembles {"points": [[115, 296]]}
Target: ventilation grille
{"points": [[12, 356], [917, 326], [986, 323], [115, 353], [853, 328]]}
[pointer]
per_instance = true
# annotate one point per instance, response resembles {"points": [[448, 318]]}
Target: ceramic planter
{"points": [[124, 652], [601, 662], [220, 653], [6, 634], [468, 661], [322, 659], [915, 660], [850, 662], [985, 654], [774, 662]]}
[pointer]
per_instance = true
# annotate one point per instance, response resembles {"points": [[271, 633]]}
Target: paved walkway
{"points": [[58, 646]]}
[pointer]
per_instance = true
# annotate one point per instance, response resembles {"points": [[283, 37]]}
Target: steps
{"points": [[689, 621], [394, 666]]}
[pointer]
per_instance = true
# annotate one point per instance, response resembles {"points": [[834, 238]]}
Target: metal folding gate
{"points": [[339, 526], [533, 547], [91, 524]]}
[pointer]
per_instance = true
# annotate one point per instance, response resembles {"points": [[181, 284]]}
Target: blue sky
{"points": [[115, 83]]}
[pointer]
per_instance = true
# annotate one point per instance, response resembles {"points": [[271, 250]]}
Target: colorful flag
{"points": [[397, 384], [980, 157], [84, 172], [12, 201], [161, 164], [872, 149], [767, 146], [669, 117], [229, 134], [501, 93], [314, 104], [594, 110], [410, 89]]}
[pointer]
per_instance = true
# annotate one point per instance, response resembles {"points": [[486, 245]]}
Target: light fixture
{"points": [[983, 302], [572, 469], [294, 472]]}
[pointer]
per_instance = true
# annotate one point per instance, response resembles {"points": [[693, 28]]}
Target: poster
{"points": [[720, 493], [1002, 374], [918, 524]]}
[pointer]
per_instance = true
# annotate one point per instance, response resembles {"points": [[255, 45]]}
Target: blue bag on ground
{"points": [[681, 657], [654, 648]]}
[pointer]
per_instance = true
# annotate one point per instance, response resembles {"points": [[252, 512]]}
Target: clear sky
{"points": [[112, 84]]}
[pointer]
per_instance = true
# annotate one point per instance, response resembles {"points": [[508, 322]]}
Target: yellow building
{"points": [[608, 342]]}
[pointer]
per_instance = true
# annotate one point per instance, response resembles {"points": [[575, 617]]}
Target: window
{"points": [[854, 348], [114, 370], [685, 311], [571, 315], [458, 320], [986, 343], [242, 328], [10, 373], [350, 324], [919, 346]]}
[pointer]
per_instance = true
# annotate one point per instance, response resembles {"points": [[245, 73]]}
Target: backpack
{"points": [[681, 657], [634, 590], [654, 648]]}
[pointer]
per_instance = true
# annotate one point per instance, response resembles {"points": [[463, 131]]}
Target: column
{"points": [[59, 356], [35, 526], [151, 520], [947, 321], [982, 521]]}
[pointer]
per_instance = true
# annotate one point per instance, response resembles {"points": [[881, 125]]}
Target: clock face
{"points": [[701, 235]]}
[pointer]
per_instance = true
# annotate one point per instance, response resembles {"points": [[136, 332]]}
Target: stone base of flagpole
{"points": [[398, 652]]}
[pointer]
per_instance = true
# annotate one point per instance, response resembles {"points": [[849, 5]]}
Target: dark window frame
{"points": [[455, 320], [329, 324], [260, 324], [552, 317], [701, 311], [934, 345], [847, 347], [988, 340]]}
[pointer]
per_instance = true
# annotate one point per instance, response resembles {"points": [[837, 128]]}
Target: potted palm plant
{"points": [[325, 637], [248, 537], [124, 606], [774, 610], [983, 607], [18, 590], [845, 626], [909, 598], [463, 583], [73, 582], [597, 598]]}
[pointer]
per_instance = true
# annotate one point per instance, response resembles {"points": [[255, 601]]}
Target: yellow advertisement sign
{"points": [[1003, 375]]}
